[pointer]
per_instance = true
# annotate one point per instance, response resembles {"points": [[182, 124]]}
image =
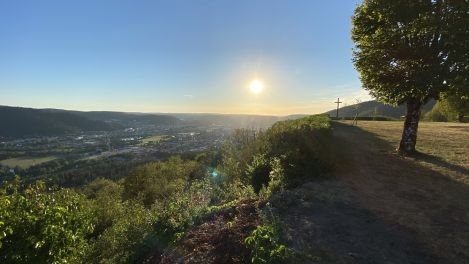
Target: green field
{"points": [[26, 162], [154, 139]]}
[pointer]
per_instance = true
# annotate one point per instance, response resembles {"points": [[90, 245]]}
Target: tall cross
{"points": [[338, 103]]}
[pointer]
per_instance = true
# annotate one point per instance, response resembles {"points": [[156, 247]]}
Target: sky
{"points": [[178, 56]]}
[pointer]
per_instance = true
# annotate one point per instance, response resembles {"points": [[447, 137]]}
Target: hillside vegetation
{"points": [[20, 122], [127, 119], [155, 213], [376, 109]]}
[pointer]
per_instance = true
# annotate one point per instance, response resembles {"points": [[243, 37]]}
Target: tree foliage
{"points": [[449, 108], [412, 51], [159, 180], [38, 225], [457, 105]]}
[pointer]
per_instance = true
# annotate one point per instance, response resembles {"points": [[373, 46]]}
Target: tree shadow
{"points": [[437, 161], [429, 204]]}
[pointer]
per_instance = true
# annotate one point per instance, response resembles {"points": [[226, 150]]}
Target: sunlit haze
{"points": [[178, 56], [256, 86]]}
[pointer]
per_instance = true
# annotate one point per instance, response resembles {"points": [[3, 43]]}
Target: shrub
{"points": [[106, 202], [226, 192], [120, 242], [265, 246], [437, 114], [258, 172], [159, 180], [276, 180], [303, 146], [38, 225], [138, 231]]}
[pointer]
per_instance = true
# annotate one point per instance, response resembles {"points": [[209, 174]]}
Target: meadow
{"points": [[26, 162], [443, 146], [154, 139]]}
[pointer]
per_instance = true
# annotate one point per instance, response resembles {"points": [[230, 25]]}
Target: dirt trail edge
{"points": [[380, 208]]}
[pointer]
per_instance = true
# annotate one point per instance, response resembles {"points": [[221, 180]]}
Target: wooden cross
{"points": [[338, 103]]}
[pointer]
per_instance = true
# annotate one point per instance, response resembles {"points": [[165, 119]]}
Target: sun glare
{"points": [[256, 86]]}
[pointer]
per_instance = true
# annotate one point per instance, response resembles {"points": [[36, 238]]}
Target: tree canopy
{"points": [[412, 51]]}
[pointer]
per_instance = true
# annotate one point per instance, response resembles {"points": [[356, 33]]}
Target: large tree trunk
{"points": [[411, 124]]}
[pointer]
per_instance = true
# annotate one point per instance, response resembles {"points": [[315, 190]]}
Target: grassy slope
{"points": [[26, 162], [381, 207], [445, 146], [427, 195]]}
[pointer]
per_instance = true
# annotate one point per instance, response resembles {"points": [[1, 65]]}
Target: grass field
{"points": [[26, 162], [444, 146], [427, 194], [154, 139]]}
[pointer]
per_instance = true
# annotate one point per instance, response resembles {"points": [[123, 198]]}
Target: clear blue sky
{"points": [[177, 56]]}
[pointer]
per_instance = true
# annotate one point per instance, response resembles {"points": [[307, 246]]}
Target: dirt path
{"points": [[432, 206], [381, 208]]}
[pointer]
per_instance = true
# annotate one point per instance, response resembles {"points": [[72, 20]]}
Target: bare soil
{"points": [[220, 239], [380, 207]]}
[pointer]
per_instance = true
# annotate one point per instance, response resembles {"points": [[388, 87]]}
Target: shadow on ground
{"points": [[379, 208], [437, 161]]}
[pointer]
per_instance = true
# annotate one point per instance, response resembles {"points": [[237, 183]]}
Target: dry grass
{"points": [[427, 195], [26, 162], [445, 145]]}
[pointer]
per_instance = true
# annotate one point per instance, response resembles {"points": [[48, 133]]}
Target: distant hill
{"points": [[374, 108], [229, 120], [126, 119], [19, 122]]}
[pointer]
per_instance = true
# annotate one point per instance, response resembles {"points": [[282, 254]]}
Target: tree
{"points": [[458, 105], [410, 52]]}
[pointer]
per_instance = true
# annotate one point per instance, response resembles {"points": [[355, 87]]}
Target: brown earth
{"points": [[220, 239], [381, 207], [433, 204]]}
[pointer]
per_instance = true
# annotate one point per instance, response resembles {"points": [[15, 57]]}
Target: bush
{"points": [[437, 114], [258, 172], [159, 180], [138, 232], [303, 146], [265, 246], [38, 225], [225, 192], [106, 203], [276, 180], [128, 233]]}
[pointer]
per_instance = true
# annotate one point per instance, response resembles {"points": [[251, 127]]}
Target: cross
{"points": [[338, 103]]}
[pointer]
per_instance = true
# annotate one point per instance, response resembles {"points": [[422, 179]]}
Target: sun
{"points": [[256, 86]]}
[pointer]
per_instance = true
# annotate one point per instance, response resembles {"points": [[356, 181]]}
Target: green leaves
{"points": [[42, 226], [411, 49], [265, 246]]}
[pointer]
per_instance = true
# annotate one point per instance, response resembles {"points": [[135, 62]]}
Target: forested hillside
{"points": [[19, 122], [126, 119], [376, 109]]}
